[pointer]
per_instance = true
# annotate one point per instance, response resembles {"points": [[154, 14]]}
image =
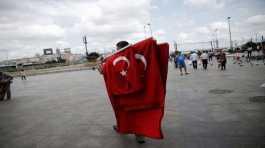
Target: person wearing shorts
{"points": [[181, 64]]}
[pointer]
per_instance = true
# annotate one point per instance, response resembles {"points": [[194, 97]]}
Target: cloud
{"points": [[256, 20], [242, 31], [218, 25], [28, 27], [154, 7], [205, 3], [203, 30]]}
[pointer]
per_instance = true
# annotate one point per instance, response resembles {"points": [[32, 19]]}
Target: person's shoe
{"points": [[115, 128], [187, 73], [140, 139]]}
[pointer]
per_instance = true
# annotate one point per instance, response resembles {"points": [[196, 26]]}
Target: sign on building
{"points": [[48, 51]]}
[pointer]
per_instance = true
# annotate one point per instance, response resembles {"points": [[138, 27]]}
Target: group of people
{"points": [[205, 57], [249, 55]]}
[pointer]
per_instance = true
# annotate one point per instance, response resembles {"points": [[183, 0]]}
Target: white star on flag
{"points": [[123, 73]]}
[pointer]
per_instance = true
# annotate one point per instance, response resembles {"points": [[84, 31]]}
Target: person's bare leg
{"points": [[185, 69], [180, 69]]}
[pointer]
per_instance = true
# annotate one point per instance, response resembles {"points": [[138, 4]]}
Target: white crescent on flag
{"points": [[142, 59], [122, 58]]}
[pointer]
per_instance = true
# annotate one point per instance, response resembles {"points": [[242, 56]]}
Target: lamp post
{"points": [[144, 32], [211, 42], [85, 42], [262, 47], [7, 56], [228, 21], [150, 29], [216, 38]]}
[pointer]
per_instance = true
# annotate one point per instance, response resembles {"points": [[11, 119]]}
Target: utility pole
{"points": [[150, 29], [144, 32], [216, 38], [211, 42], [85, 42], [261, 42], [7, 54], [231, 44], [175, 45]]}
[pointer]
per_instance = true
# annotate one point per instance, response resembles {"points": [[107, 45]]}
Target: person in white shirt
{"points": [[249, 49], [194, 59], [204, 58]]}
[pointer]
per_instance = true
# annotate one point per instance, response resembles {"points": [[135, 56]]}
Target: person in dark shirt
{"points": [[5, 81], [223, 60]]}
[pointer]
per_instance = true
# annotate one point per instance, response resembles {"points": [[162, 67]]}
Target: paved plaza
{"points": [[206, 109]]}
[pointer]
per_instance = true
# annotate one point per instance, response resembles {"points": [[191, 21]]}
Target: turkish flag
{"points": [[121, 75], [141, 108]]}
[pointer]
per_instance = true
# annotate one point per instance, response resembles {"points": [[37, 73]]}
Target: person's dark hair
{"points": [[121, 44]]}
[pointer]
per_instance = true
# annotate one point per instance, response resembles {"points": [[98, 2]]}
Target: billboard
{"points": [[48, 51]]}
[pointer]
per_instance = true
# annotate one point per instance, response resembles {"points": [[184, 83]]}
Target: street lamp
{"points": [[228, 21], [150, 29], [144, 32], [85, 42], [216, 38]]}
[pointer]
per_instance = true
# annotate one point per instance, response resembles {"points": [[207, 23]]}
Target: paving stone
{"points": [[66, 110]]}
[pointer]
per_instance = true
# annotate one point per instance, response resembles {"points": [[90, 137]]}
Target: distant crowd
{"points": [[205, 57]]}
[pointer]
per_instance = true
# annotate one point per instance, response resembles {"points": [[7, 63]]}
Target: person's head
{"points": [[121, 44], [179, 53]]}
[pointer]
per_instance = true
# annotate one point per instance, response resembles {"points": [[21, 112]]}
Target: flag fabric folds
{"points": [[135, 79]]}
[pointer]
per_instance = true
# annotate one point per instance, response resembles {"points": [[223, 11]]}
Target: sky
{"points": [[29, 26]]}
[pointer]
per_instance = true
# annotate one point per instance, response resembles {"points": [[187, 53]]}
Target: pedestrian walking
{"points": [[181, 63], [129, 76], [194, 59], [211, 56], [204, 58], [176, 61], [249, 50], [23, 74], [263, 51], [223, 60]]}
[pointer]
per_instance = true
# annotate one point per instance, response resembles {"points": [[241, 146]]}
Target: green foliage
{"points": [[230, 51], [249, 44]]}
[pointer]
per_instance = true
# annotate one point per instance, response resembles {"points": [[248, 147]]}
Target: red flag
{"points": [[121, 75], [140, 109]]}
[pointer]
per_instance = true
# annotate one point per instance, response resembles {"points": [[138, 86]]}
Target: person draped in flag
{"points": [[121, 44], [137, 100]]}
